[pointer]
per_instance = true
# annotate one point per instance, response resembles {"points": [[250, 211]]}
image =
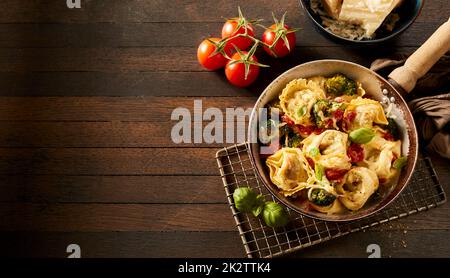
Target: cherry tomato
{"points": [[299, 129], [206, 48], [310, 162], [335, 174], [235, 72], [338, 114], [388, 136], [304, 130], [286, 119], [355, 152], [350, 116], [348, 119], [279, 49], [318, 130], [236, 26]]}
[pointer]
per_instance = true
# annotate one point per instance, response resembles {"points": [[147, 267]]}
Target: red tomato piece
{"points": [[338, 114], [310, 162], [335, 174], [318, 130], [305, 129], [286, 119], [351, 115], [388, 136], [355, 152]]}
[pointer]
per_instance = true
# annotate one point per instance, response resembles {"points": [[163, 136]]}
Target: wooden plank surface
{"points": [[108, 161], [112, 189], [86, 155], [92, 134], [150, 35], [100, 11], [155, 217], [150, 59], [120, 84], [98, 109], [115, 217]]}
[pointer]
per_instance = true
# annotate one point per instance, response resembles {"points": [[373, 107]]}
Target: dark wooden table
{"points": [[85, 150]]}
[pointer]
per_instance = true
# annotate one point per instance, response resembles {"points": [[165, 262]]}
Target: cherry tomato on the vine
{"points": [[279, 39], [279, 48], [234, 30], [231, 28], [210, 53], [235, 70]]}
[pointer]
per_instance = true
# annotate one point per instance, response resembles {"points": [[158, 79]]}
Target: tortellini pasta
{"points": [[330, 147], [319, 163], [379, 155], [289, 170], [360, 183], [367, 111], [298, 98]]}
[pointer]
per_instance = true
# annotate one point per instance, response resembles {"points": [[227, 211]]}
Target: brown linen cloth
{"points": [[432, 112]]}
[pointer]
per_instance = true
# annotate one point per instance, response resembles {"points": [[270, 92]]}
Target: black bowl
{"points": [[408, 11]]}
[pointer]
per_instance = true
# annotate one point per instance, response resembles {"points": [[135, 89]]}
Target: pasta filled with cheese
{"points": [[289, 170], [298, 98], [379, 155], [328, 149], [360, 183], [366, 113]]}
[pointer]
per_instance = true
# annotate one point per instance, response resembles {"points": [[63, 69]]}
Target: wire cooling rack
{"points": [[422, 193]]}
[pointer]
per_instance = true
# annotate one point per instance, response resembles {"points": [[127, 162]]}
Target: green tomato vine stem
{"points": [[280, 33]]}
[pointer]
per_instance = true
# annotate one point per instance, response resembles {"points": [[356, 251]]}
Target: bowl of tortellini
{"points": [[332, 140]]}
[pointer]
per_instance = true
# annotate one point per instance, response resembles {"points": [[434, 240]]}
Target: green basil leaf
{"points": [[275, 215], [245, 199], [399, 162], [362, 135]]}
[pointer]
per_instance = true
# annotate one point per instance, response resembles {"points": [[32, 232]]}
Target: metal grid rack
{"points": [[423, 192]]}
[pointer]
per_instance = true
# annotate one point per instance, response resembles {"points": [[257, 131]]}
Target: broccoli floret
{"points": [[340, 84], [321, 197], [322, 106], [294, 141], [284, 130]]}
